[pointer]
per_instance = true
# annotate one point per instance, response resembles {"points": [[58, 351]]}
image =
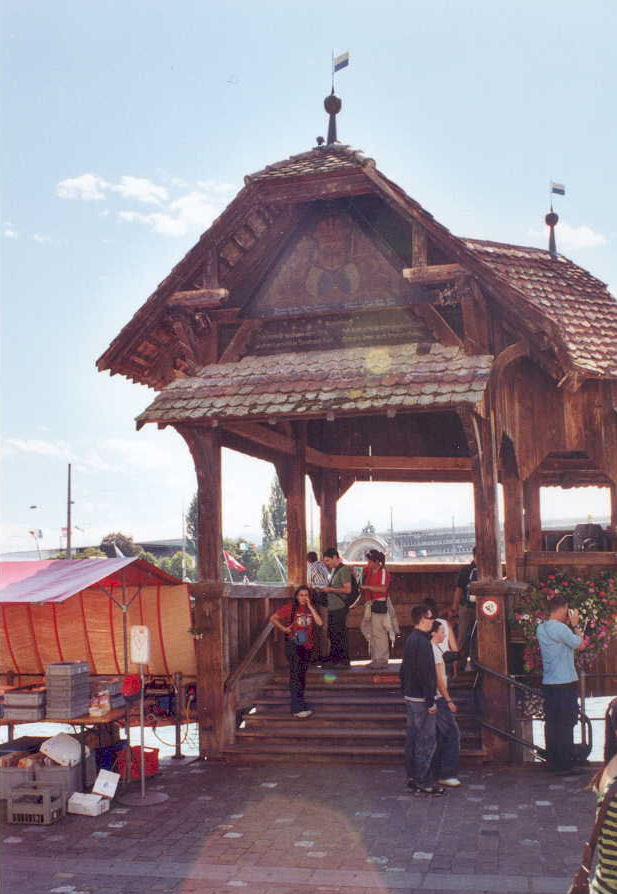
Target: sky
{"points": [[128, 126]]}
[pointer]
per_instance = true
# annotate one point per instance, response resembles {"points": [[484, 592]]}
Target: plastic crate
{"points": [[10, 777], [67, 778], [35, 803], [67, 668], [24, 714], [151, 761], [25, 698]]}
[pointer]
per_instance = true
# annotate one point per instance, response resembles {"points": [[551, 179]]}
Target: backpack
{"points": [[350, 598]]}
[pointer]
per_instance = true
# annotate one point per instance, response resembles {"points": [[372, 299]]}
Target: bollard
{"points": [[179, 688]]}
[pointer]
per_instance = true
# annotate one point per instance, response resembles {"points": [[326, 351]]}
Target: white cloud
{"points": [[157, 221], [9, 231], [141, 189], [571, 238], [35, 445], [579, 237], [89, 187]]}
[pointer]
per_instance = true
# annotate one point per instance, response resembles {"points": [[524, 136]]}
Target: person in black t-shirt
{"points": [[464, 607]]}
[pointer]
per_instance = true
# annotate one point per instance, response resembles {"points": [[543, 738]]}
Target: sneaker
{"points": [[431, 790], [450, 782], [303, 714], [410, 785]]}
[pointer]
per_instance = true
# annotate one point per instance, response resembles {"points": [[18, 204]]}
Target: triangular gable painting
{"points": [[332, 265]]}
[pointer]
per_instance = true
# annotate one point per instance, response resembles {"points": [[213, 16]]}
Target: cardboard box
{"points": [[87, 805]]}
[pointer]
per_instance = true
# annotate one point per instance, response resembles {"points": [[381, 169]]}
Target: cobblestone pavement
{"points": [[312, 828]]}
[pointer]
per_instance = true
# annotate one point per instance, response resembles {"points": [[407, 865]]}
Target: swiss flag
{"points": [[232, 563]]}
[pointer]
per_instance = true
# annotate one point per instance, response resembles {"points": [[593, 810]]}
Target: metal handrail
{"points": [[586, 728]]}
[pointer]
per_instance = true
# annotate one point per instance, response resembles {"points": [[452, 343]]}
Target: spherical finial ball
{"points": [[551, 219], [332, 104]]}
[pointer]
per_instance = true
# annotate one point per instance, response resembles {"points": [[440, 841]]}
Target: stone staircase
{"points": [[358, 715]]}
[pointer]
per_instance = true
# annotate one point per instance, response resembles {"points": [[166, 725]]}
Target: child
{"points": [[297, 620]]}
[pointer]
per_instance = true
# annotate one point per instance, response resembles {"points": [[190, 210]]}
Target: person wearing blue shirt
{"points": [[559, 637]]}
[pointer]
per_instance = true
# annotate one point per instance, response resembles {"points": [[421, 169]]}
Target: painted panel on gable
{"points": [[331, 266]]}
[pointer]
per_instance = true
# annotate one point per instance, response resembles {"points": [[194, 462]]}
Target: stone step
{"points": [[300, 753], [303, 731]]}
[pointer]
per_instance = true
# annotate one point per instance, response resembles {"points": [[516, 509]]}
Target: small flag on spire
{"points": [[341, 61], [558, 189]]}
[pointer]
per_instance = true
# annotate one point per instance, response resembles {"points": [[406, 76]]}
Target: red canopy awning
{"points": [[54, 580]]}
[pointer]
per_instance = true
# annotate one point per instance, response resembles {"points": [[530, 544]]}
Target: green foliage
{"points": [[149, 557], [90, 552], [124, 542], [594, 597], [269, 568], [274, 515], [173, 565], [192, 526]]}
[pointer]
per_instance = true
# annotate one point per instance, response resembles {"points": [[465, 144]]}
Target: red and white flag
{"points": [[232, 563]]}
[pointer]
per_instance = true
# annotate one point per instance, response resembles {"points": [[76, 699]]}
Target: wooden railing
{"points": [[232, 662]]}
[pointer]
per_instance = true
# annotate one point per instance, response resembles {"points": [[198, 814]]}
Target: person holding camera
{"points": [[559, 637], [297, 620]]}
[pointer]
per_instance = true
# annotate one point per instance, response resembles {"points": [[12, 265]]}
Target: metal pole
{"points": [[127, 720], [179, 687], [142, 723], [68, 515]]}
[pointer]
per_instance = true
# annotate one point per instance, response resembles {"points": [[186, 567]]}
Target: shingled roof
{"points": [[578, 303], [321, 160], [352, 380], [581, 313]]}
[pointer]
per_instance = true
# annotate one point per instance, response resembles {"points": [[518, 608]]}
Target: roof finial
{"points": [[332, 106], [552, 219]]}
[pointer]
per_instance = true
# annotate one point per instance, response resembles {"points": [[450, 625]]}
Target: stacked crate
{"points": [[24, 705], [68, 689]]}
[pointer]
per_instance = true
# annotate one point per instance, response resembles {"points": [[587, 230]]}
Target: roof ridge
{"points": [[344, 149]]}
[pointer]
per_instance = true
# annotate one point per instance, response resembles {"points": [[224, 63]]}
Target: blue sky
{"points": [[129, 125]]}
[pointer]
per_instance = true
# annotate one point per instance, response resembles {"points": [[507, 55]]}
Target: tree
{"points": [[173, 565], [273, 565], [274, 515], [90, 552], [124, 542], [192, 526]]}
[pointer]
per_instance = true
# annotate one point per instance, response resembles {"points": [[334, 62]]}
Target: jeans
{"points": [[420, 743], [298, 659], [445, 762], [560, 715], [337, 631]]}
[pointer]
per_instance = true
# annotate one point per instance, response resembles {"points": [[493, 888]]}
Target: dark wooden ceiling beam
{"points": [[438, 325], [239, 343], [199, 299]]}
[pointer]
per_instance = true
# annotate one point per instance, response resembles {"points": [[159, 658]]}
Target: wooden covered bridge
{"points": [[328, 324]]}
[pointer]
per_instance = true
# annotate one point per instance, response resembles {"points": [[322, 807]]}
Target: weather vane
{"points": [[552, 218], [332, 103]]}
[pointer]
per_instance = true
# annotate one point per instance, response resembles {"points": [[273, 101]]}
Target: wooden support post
{"points": [[532, 518], [512, 522], [205, 446], [481, 439], [492, 613], [613, 508], [514, 534], [296, 510], [215, 713], [327, 499]]}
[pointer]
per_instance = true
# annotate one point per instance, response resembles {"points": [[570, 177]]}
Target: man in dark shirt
{"points": [[419, 685]]}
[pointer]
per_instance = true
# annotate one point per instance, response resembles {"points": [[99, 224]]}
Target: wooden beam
{"points": [[296, 510], [475, 319], [205, 446], [199, 299], [237, 346], [532, 517], [480, 435], [440, 328], [425, 275], [613, 507], [395, 463], [419, 245], [327, 498], [513, 521], [262, 435], [507, 356]]}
